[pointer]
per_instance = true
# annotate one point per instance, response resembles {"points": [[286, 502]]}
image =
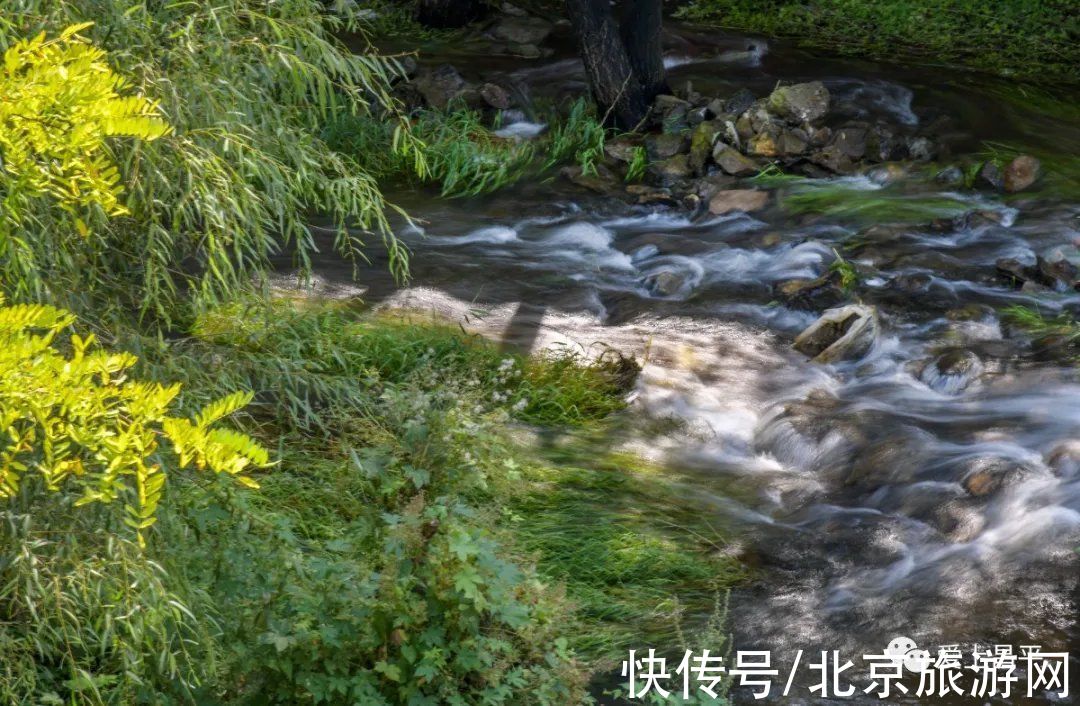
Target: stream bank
{"points": [[927, 487]]}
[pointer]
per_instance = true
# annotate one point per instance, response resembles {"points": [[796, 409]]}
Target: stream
{"points": [[929, 489]]}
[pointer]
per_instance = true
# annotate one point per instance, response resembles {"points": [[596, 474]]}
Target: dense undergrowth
{"points": [[464, 155], [1033, 40]]}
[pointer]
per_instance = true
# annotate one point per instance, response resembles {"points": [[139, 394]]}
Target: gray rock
{"points": [[764, 144], [667, 283], [440, 85], [950, 176], [732, 162], [495, 96], [801, 103], [847, 332], [672, 169], [952, 371], [990, 176], [850, 142], [517, 29], [603, 181], [652, 195], [824, 292], [701, 145], [664, 146], [921, 149], [792, 142], [747, 200], [739, 102], [883, 146], [1021, 173], [622, 149]]}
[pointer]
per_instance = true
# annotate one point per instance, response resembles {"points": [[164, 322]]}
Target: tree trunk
{"points": [[617, 91], [447, 14], [642, 25]]}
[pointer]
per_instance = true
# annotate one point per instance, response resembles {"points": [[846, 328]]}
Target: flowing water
{"points": [[931, 488]]}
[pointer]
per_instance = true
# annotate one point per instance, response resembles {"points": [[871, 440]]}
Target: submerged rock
{"points": [[666, 283], [952, 371], [801, 103], [825, 292], [1021, 173], [847, 332], [747, 200]]}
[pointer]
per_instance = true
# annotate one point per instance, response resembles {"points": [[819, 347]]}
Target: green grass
{"points": [[462, 154], [1034, 40], [885, 205], [636, 558], [400, 500], [1062, 330]]}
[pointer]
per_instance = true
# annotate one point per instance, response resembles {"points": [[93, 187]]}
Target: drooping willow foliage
{"points": [[246, 86]]}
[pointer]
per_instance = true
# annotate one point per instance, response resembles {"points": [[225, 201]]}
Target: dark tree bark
{"points": [[615, 87], [642, 25], [446, 14]]}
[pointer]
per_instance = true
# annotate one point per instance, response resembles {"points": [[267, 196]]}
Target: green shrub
{"points": [[246, 86]]}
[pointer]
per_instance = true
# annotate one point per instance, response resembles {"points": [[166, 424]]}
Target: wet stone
{"points": [[801, 103], [733, 162], [664, 146], [747, 200], [1021, 173]]}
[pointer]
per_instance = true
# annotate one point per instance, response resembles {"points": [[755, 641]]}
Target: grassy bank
{"points": [[407, 545], [1038, 41]]}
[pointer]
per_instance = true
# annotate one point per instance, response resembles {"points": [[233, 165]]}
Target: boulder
{"points": [[666, 283], [847, 332], [744, 130], [603, 181], [518, 29], [440, 85], [729, 200], [921, 149], [764, 144], [951, 372], [850, 142], [834, 159], [671, 112], [792, 142], [648, 195], [701, 145], [664, 145], [883, 146], [986, 476], [672, 169], [696, 116], [950, 176], [495, 96], [801, 103], [622, 149], [824, 292], [708, 186], [990, 176], [739, 102], [1021, 173]]}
